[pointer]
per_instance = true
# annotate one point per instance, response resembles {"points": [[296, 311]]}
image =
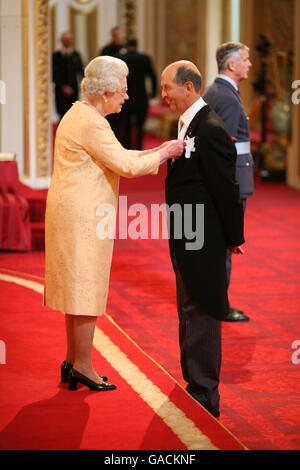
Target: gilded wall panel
{"points": [[42, 80], [182, 25], [128, 18], [185, 31]]}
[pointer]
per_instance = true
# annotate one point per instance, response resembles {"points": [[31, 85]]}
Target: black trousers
{"points": [[115, 123], [134, 119], [229, 254], [200, 348], [64, 103]]}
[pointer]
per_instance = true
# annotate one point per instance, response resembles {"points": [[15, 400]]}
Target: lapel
{"points": [[191, 130]]}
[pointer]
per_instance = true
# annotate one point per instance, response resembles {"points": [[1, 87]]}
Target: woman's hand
{"points": [[155, 149], [172, 149], [162, 146]]}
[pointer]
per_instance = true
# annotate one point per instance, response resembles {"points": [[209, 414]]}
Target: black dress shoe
{"points": [[236, 315], [76, 377], [66, 369], [232, 309], [213, 410]]}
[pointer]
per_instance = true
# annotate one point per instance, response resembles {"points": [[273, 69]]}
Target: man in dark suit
{"points": [[202, 177], [223, 97], [115, 49], [134, 111], [67, 69]]}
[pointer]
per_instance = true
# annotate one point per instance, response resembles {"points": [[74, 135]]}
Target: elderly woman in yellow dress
{"points": [[88, 163]]}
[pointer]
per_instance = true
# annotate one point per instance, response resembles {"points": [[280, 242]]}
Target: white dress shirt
{"points": [[187, 117], [67, 50]]}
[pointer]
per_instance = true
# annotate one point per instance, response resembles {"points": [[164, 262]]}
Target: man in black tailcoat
{"points": [[134, 111], [114, 48], [67, 69], [203, 178]]}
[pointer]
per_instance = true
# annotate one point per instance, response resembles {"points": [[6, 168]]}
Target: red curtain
{"points": [[15, 229]]}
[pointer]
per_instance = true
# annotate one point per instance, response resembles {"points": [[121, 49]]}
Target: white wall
{"points": [[107, 17], [11, 72]]}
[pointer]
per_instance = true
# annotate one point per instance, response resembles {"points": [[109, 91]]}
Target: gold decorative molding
{"points": [[53, 27], [130, 14], [25, 46], [42, 80]]}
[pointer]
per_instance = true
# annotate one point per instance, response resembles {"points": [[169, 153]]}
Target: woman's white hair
{"points": [[103, 74]]}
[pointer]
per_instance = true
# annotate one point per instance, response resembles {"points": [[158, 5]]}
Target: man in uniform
{"points": [[224, 98]]}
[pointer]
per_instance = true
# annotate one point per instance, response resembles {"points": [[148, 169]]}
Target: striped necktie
{"points": [[180, 129]]}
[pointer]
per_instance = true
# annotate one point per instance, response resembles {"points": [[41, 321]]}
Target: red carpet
{"points": [[147, 411], [259, 382]]}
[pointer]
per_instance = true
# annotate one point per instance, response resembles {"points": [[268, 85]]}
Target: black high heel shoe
{"points": [[76, 377], [66, 369]]}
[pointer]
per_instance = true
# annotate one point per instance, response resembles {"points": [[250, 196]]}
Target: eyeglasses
{"points": [[122, 92]]}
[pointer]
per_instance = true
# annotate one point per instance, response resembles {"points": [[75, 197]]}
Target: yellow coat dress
{"points": [[88, 163]]}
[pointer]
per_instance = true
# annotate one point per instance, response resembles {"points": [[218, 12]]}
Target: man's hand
{"points": [[237, 250]]}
